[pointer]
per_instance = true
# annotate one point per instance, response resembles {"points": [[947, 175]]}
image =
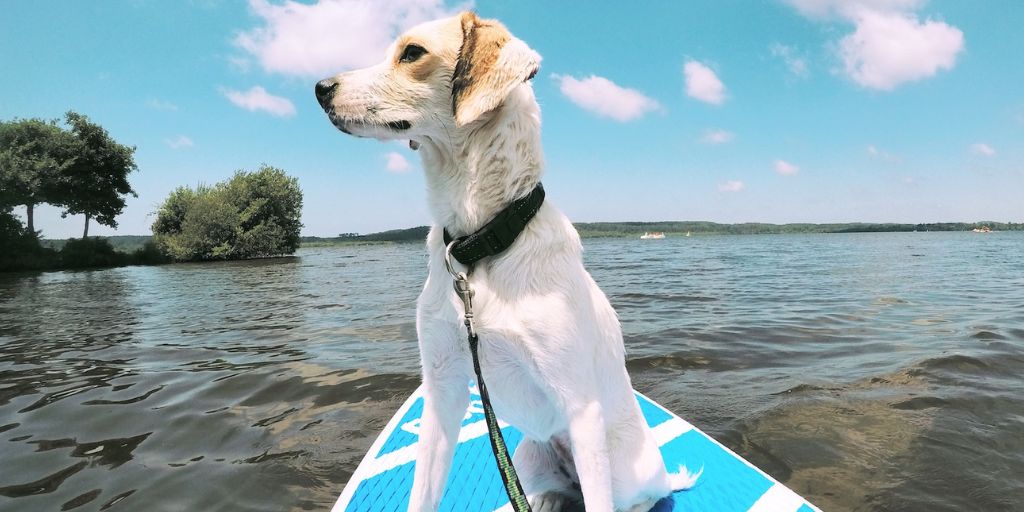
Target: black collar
{"points": [[498, 234]]}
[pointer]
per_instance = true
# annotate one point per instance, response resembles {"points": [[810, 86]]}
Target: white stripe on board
{"points": [[669, 430], [778, 498]]}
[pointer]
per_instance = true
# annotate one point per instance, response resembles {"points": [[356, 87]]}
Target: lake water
{"points": [[865, 371]]}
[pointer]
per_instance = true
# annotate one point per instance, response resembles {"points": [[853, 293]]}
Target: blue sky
{"points": [[769, 111]]}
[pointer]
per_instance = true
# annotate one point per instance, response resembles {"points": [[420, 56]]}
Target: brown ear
{"points": [[491, 64]]}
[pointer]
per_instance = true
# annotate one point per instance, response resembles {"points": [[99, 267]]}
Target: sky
{"points": [[760, 111]]}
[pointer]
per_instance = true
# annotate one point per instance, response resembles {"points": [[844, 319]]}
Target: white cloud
{"points": [[890, 45], [702, 83], [730, 186], [162, 105], [257, 98], [794, 62], [179, 142], [785, 168], [604, 98], [888, 49], [982, 149], [331, 36], [717, 136], [874, 152], [397, 163]]}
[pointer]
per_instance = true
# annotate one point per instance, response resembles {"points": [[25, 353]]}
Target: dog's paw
{"points": [[548, 502]]}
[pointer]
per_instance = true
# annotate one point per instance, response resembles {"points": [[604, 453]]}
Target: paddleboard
{"points": [[383, 480]]}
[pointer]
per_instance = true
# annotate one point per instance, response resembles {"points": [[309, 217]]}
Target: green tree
{"points": [[33, 155], [95, 183], [252, 215], [270, 207], [172, 212]]}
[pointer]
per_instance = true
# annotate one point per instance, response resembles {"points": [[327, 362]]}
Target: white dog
{"points": [[550, 343]]}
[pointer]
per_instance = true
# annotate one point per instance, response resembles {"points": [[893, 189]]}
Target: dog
{"points": [[459, 90]]}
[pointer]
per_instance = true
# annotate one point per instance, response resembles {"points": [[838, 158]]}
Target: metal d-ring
{"points": [[448, 261]]}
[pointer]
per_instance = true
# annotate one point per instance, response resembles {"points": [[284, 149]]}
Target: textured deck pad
{"points": [[383, 480]]}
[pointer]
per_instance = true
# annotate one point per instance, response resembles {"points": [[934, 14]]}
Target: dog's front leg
{"points": [[590, 451], [444, 404]]}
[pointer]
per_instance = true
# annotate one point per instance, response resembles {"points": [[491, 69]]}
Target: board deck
{"points": [[383, 480]]}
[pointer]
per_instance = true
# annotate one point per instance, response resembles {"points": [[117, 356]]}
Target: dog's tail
{"points": [[683, 479]]}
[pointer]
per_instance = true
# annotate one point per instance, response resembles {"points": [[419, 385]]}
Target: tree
{"points": [[33, 154], [270, 207], [252, 215], [96, 181]]}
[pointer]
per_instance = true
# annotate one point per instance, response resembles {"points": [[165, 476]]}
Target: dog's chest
{"points": [[507, 352], [517, 396]]}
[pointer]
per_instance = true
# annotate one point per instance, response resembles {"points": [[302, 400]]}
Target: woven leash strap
{"points": [[516, 496]]}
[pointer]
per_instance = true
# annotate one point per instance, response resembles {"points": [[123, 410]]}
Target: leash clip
{"points": [[460, 281]]}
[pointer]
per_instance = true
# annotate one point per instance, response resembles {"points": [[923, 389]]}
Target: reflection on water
{"points": [[868, 372]]}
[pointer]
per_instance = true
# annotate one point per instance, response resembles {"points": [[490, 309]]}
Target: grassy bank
{"points": [[132, 243], [78, 253]]}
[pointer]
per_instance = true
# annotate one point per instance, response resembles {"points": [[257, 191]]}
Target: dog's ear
{"points": [[491, 64]]}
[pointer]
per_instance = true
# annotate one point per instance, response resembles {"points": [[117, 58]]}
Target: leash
{"points": [[496, 236]]}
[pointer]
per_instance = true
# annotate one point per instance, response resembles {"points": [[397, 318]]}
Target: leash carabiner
{"points": [[461, 284]]}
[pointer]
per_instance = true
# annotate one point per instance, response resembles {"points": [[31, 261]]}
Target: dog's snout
{"points": [[325, 91]]}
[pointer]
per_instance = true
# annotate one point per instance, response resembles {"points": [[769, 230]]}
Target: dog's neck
{"points": [[474, 172]]}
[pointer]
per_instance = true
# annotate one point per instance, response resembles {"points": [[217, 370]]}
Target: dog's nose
{"points": [[325, 91]]}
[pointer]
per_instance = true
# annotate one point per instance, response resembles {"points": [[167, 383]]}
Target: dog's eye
{"points": [[412, 53]]}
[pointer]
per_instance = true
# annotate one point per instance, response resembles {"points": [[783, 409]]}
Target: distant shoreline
{"points": [[128, 243]]}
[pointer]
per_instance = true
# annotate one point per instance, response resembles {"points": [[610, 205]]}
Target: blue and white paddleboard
{"points": [[383, 480]]}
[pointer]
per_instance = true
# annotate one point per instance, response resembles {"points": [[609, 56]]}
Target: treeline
{"points": [[120, 243], [416, 234], [633, 229]]}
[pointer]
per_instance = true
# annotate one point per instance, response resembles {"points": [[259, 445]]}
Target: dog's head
{"points": [[438, 76]]}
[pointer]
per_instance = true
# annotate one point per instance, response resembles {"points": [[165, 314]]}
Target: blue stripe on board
{"points": [[400, 438], [804, 508], [726, 485], [474, 483], [652, 413], [479, 485]]}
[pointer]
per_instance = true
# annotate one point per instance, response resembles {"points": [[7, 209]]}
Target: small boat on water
{"points": [[652, 235], [983, 229]]}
